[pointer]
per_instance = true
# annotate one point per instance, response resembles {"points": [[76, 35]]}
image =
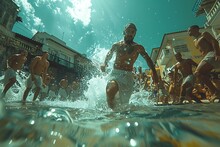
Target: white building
{"points": [[57, 49], [60, 53]]}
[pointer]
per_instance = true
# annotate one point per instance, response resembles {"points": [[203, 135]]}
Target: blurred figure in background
{"points": [[14, 63], [38, 70]]}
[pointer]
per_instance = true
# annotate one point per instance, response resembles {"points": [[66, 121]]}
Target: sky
{"points": [[87, 24]]}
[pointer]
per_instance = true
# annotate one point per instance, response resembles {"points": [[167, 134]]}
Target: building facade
{"points": [[8, 14], [211, 9], [64, 61], [173, 43], [76, 64], [181, 42]]}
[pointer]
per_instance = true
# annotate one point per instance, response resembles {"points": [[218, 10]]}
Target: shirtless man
{"points": [[209, 47], [185, 67], [15, 62], [38, 69], [121, 77]]}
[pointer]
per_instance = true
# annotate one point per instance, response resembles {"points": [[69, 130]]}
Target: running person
{"points": [[121, 77]]}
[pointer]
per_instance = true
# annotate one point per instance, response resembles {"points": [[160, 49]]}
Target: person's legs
{"points": [[9, 80], [38, 83], [29, 84], [111, 90], [183, 89], [202, 73], [191, 96], [43, 95], [36, 93], [27, 90], [8, 85], [182, 93]]}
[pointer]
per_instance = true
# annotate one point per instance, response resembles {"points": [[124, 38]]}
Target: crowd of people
{"points": [[40, 82], [180, 83], [183, 82]]}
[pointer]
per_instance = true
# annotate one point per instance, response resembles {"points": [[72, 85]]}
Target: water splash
{"points": [[81, 123], [96, 91], [94, 97]]}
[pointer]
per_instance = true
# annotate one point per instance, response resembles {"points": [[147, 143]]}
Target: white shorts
{"points": [[38, 83], [125, 83]]}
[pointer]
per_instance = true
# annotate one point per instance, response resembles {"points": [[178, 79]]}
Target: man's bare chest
{"points": [[41, 63], [126, 50]]}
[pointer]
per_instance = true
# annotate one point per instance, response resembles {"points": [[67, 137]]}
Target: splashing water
{"points": [[89, 122], [95, 96], [96, 91]]}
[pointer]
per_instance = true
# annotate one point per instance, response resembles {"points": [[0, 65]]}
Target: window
{"points": [[181, 48]]}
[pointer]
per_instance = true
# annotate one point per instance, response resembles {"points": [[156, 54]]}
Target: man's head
{"points": [[178, 56], [129, 32], [193, 30]]}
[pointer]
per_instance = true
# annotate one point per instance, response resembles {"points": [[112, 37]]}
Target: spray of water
{"points": [[94, 96]]}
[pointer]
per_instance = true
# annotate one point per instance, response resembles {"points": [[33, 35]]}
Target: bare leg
{"points": [[111, 90], [27, 90], [8, 85], [186, 90], [183, 92], [202, 73], [36, 93], [191, 96], [43, 96]]}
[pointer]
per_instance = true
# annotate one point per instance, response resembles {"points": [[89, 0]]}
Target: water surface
{"points": [[45, 124]]}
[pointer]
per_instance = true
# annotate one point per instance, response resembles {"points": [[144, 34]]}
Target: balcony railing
{"points": [[61, 61], [215, 9], [196, 6]]}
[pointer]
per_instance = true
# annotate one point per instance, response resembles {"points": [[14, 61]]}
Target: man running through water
{"points": [[121, 77], [185, 67], [14, 63], [209, 47], [38, 69]]}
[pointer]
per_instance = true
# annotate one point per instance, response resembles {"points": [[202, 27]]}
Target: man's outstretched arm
{"points": [[150, 64]]}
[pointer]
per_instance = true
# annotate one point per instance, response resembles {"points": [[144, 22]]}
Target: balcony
{"points": [[214, 13], [61, 61], [196, 6], [203, 6]]}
